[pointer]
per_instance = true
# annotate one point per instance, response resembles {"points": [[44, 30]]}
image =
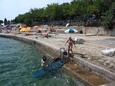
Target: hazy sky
{"points": [[11, 8]]}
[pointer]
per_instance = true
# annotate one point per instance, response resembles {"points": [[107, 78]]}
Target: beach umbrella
{"points": [[25, 29], [67, 24], [71, 30]]}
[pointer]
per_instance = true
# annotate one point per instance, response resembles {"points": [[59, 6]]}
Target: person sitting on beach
{"points": [[70, 43], [44, 61], [46, 34]]}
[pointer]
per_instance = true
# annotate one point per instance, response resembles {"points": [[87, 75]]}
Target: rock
{"points": [[111, 65], [107, 63], [79, 41], [101, 60], [108, 52]]}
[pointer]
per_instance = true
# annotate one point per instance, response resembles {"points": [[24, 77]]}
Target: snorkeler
{"points": [[44, 61]]}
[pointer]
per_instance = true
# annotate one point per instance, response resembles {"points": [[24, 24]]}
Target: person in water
{"points": [[44, 61], [65, 54], [70, 43], [56, 59]]}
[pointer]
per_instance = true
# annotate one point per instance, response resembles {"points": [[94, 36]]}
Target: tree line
{"points": [[5, 22], [85, 12]]}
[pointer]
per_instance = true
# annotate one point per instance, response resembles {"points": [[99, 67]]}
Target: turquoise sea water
{"points": [[19, 60]]}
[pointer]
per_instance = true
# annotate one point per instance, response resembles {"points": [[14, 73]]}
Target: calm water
{"points": [[17, 62]]}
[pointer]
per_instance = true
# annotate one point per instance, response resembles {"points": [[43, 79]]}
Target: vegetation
{"points": [[1, 22], [6, 22], [85, 12]]}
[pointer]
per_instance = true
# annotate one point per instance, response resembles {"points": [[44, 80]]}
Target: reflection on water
{"points": [[17, 62]]}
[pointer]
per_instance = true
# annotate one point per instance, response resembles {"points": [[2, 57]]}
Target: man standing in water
{"points": [[70, 43]]}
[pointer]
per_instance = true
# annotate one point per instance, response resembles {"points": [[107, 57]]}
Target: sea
{"points": [[18, 60]]}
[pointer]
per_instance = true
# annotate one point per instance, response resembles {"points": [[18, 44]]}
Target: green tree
{"points": [[1, 21], [65, 10], [81, 10], [107, 19], [5, 21], [52, 11]]}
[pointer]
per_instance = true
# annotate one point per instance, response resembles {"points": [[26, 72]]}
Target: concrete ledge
{"points": [[96, 69], [110, 84]]}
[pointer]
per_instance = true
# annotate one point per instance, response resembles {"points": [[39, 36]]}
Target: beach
{"points": [[76, 38], [90, 51]]}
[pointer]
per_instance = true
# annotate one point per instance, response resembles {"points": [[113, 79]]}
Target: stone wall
{"points": [[97, 31], [112, 32], [96, 69]]}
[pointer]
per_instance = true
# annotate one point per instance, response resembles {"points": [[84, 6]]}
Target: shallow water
{"points": [[19, 60]]}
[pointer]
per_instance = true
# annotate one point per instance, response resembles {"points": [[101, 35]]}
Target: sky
{"points": [[11, 8]]}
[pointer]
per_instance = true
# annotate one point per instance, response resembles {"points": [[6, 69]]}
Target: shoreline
{"points": [[53, 52]]}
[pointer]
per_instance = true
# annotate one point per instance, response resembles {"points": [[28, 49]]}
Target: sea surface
{"points": [[19, 60]]}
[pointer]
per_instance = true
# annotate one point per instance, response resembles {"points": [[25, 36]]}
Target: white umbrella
{"points": [[67, 24]]}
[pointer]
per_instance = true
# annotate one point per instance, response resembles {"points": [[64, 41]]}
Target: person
{"points": [[44, 61], [56, 59], [70, 43], [65, 54]]}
